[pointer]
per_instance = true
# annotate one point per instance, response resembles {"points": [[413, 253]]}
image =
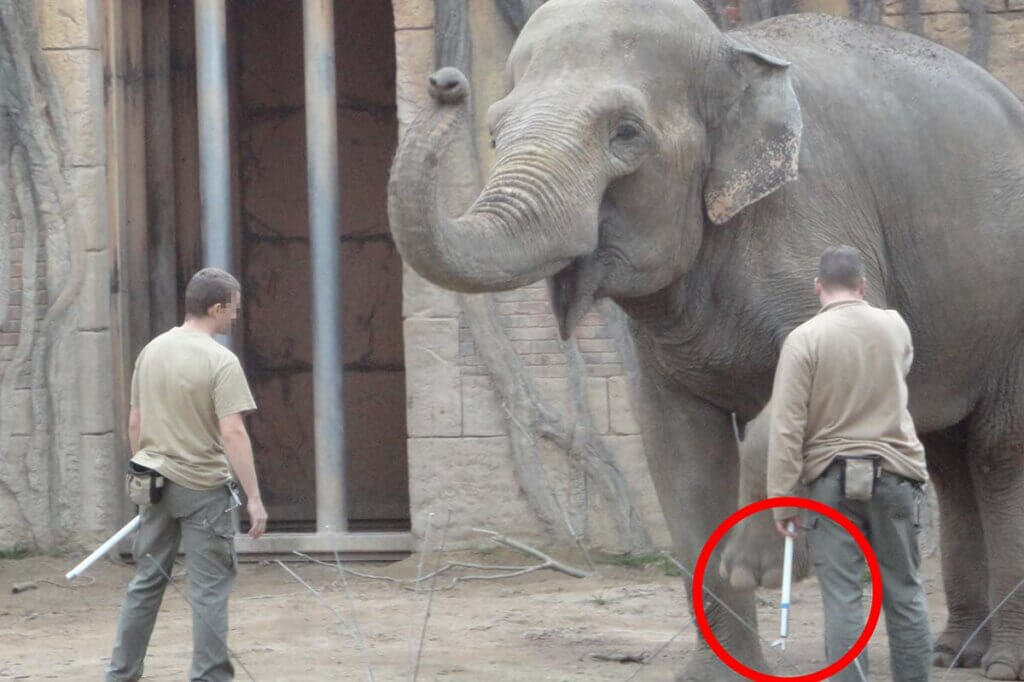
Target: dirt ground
{"points": [[541, 626]]}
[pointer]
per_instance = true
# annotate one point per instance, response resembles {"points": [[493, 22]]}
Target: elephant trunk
{"points": [[519, 229]]}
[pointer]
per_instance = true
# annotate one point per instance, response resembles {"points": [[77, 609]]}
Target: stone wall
{"points": [[57, 435], [72, 33]]}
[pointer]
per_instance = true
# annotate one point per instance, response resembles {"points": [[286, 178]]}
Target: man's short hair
{"points": [[841, 268], [209, 287]]}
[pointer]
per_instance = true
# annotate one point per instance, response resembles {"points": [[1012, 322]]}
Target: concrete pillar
{"points": [[325, 245]]}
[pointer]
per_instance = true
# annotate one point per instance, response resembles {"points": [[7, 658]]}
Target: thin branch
{"points": [[355, 622], [430, 596], [466, 578], [419, 575], [337, 615], [312, 589], [549, 562], [412, 581]]}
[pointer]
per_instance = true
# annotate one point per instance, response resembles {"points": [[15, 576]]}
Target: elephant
{"points": [[694, 177]]}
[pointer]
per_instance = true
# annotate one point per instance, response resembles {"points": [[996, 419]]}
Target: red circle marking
{"points": [[749, 510]]}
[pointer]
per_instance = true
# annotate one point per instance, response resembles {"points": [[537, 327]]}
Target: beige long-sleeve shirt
{"points": [[840, 389]]}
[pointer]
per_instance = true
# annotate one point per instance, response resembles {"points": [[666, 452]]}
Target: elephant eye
{"points": [[626, 132]]}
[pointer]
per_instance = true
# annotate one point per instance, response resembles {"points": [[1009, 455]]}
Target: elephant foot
{"points": [[1003, 662], [753, 552], [950, 642], [704, 666]]}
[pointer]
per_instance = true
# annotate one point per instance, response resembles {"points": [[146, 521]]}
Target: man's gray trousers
{"points": [[890, 521], [200, 521]]}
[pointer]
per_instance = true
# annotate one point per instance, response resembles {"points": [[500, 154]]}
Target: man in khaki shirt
{"points": [[188, 396], [840, 426]]}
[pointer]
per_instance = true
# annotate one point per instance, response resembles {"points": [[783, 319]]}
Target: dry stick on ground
{"points": [[515, 570], [407, 583], [341, 621], [355, 622], [419, 575], [430, 597], [548, 561]]}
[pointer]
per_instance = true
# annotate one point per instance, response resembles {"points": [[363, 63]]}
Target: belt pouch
{"points": [[859, 473], [145, 486]]}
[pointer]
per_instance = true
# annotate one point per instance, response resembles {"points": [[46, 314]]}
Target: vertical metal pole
{"points": [[214, 154], [214, 143], [324, 243]]}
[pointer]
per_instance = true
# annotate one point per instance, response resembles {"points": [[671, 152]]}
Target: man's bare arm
{"points": [[239, 452]]}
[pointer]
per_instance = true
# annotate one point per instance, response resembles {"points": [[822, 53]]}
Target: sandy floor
{"points": [[542, 626]]}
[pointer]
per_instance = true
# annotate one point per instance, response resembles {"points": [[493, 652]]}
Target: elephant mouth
{"points": [[573, 291]]}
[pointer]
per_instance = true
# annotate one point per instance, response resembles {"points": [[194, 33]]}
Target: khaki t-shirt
{"points": [[183, 383]]}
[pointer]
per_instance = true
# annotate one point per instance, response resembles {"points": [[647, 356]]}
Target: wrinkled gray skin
{"points": [[752, 554], [695, 178]]}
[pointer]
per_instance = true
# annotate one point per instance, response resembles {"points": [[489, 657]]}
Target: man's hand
{"points": [[257, 517], [238, 449], [782, 526]]}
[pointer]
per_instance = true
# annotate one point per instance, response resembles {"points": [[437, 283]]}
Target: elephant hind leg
{"points": [[964, 568], [996, 444]]}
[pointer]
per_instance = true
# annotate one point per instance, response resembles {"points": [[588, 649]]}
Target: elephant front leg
{"points": [[692, 458]]}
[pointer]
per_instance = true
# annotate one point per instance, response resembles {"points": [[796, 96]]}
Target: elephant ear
{"points": [[755, 132]]}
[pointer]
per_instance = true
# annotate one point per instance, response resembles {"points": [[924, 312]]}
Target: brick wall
{"points": [[527, 319], [19, 311]]}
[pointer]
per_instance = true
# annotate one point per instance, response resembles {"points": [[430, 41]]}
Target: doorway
{"points": [[271, 236]]}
